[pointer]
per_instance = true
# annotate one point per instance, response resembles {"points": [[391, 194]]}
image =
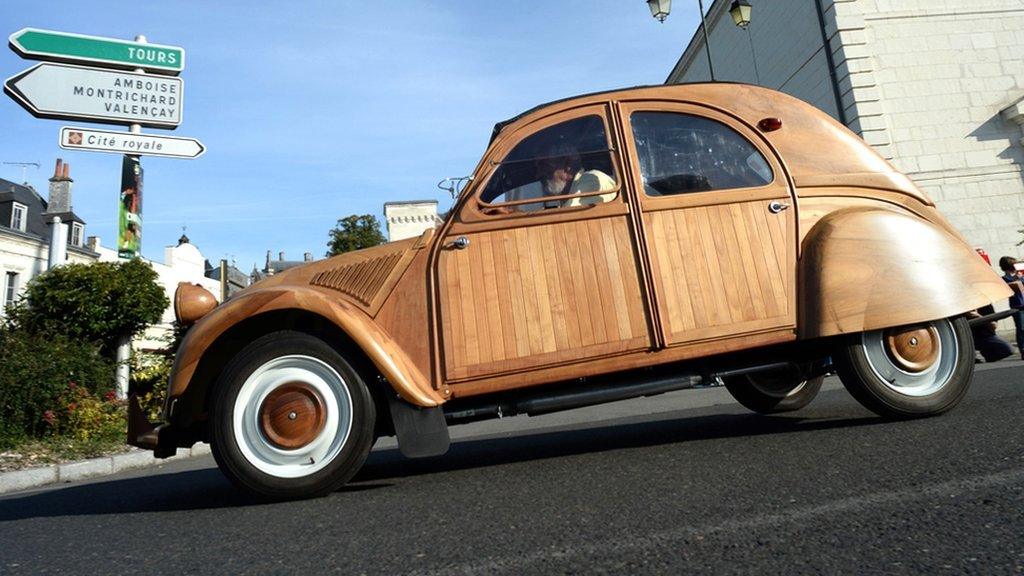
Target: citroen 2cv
{"points": [[607, 246]]}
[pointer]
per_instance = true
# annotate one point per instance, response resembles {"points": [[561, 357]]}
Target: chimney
{"points": [[60, 189], [93, 243], [307, 257], [280, 256]]}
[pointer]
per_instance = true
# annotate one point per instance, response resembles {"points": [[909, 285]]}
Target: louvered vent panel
{"points": [[361, 280]]}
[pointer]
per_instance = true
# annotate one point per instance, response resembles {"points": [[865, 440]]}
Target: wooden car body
{"points": [[835, 241]]}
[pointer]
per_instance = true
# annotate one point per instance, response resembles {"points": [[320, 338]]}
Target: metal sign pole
{"points": [[124, 347]]}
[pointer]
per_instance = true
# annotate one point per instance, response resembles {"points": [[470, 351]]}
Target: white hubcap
{"points": [[909, 378], [317, 381]]}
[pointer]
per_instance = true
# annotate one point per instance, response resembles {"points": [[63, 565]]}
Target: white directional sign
{"points": [[107, 96], [72, 138]]}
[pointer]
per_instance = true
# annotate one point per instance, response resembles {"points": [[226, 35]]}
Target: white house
{"points": [[25, 229]]}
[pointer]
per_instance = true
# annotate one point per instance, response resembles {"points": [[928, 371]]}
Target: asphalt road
{"points": [[682, 483]]}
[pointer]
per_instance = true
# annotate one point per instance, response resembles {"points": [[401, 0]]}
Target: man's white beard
{"points": [[554, 186]]}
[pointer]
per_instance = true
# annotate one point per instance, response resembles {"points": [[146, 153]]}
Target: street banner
{"points": [[129, 237]]}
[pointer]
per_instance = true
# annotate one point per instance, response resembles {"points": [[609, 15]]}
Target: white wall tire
{"points": [[908, 371], [290, 418]]}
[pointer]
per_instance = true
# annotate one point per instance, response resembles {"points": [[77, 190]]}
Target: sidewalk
{"points": [[103, 466]]}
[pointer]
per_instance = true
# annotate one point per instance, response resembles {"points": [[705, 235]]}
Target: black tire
{"points": [[773, 392], [255, 451], [876, 372]]}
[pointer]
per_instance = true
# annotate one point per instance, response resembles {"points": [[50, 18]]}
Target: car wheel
{"points": [[773, 392], [907, 371], [291, 418]]}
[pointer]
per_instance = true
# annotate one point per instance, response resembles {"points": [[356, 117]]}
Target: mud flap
{"points": [[421, 432]]}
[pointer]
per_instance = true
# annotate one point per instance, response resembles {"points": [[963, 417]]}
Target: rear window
{"points": [[682, 153]]}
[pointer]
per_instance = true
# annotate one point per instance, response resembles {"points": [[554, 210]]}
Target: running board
{"points": [[579, 394]]}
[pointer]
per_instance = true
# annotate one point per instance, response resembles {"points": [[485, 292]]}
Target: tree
{"points": [[354, 233], [100, 302]]}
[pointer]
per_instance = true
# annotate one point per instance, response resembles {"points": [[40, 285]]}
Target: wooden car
{"points": [[608, 246]]}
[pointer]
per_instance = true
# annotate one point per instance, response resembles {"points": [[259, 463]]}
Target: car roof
{"points": [[501, 125]]}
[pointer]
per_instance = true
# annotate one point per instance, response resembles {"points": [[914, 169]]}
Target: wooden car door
{"points": [[718, 219], [528, 278]]}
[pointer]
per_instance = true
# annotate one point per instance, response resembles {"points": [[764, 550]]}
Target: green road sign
{"points": [[109, 52]]}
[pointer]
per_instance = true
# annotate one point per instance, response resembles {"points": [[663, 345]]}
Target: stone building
{"points": [[935, 86], [409, 218], [272, 267], [26, 223], [236, 280]]}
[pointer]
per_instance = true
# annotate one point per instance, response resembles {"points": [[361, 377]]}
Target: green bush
{"points": [[99, 302], [36, 374]]}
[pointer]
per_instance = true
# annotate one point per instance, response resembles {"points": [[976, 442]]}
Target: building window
{"points": [[76, 234], [18, 217], [10, 288]]}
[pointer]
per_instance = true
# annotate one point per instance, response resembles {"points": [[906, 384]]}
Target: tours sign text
{"points": [[109, 52]]}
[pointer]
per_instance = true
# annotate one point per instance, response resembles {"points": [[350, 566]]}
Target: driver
{"points": [[560, 173]]}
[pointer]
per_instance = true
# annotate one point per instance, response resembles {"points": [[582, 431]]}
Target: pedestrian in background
{"points": [[1012, 276]]}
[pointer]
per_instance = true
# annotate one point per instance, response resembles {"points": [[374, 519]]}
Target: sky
{"points": [[312, 111]]}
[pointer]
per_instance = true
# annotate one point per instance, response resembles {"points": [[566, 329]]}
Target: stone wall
{"points": [[409, 219]]}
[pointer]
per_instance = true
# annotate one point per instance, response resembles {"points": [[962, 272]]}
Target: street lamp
{"points": [[660, 8], [740, 12]]}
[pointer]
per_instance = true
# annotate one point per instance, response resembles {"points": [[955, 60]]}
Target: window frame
{"points": [[17, 207], [10, 288], [474, 208], [75, 238], [780, 177]]}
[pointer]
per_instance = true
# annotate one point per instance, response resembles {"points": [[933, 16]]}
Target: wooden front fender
{"points": [[868, 268], [378, 346]]}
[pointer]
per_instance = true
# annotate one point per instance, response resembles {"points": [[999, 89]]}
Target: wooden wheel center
{"points": [[914, 348], [292, 415]]}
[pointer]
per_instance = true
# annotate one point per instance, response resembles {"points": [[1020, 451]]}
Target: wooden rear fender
{"points": [[407, 380], [871, 268]]}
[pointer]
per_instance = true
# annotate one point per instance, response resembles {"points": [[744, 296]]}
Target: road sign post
{"points": [[136, 98]]}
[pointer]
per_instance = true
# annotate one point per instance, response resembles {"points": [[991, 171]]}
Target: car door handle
{"points": [[460, 243], [775, 206]]}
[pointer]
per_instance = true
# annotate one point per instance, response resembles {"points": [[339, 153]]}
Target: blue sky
{"points": [[311, 111]]}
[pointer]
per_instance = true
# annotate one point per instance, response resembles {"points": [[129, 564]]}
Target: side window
{"points": [[682, 153], [562, 166]]}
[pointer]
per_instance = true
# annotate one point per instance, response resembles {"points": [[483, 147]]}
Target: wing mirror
{"points": [[454, 185]]}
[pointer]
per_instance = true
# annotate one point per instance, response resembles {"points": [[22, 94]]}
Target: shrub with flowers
{"points": [[35, 392], [85, 416]]}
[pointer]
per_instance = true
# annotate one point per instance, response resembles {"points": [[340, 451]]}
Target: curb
{"points": [[103, 466]]}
